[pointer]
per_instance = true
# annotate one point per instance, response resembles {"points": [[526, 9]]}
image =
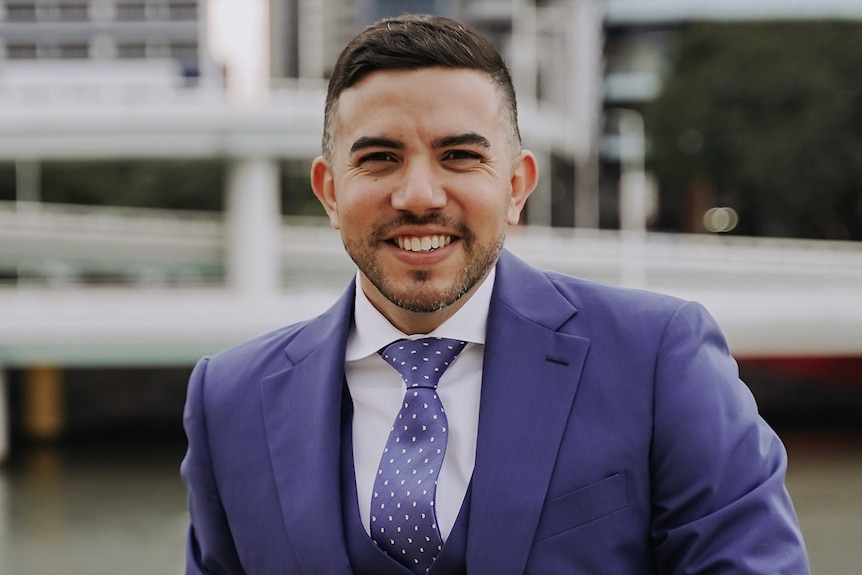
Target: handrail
{"points": [[111, 237]]}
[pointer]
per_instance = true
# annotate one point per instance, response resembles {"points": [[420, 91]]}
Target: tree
{"points": [[170, 184], [765, 118]]}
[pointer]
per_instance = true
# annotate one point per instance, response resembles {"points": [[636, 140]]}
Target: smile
{"points": [[424, 243]]}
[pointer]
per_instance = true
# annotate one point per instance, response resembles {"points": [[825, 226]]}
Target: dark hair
{"points": [[411, 42]]}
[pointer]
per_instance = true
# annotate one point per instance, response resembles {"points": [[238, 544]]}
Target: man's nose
{"points": [[421, 189]]}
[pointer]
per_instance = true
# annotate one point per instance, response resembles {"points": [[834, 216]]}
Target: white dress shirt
{"points": [[377, 391]]}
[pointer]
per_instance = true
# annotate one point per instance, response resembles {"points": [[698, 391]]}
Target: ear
{"points": [[323, 186], [525, 176]]}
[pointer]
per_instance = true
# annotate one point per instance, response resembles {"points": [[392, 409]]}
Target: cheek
{"points": [[496, 210], [356, 209]]}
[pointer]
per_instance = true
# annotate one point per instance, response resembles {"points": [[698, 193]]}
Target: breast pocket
{"points": [[583, 506]]}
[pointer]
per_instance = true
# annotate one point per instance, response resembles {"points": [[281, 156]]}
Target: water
{"points": [[97, 507], [825, 481], [93, 509]]}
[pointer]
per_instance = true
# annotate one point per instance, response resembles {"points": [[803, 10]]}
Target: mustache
{"points": [[440, 220]]}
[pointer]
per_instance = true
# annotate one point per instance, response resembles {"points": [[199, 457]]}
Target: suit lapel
{"points": [[530, 377], [302, 411]]}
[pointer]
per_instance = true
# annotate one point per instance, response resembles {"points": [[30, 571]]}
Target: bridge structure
{"points": [[128, 287], [120, 286], [109, 286]]}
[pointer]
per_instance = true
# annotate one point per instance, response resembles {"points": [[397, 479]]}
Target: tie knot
{"points": [[421, 362]]}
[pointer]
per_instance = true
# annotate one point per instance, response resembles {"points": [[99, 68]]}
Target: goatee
{"points": [[420, 295]]}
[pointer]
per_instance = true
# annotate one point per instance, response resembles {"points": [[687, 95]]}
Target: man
{"points": [[588, 429]]}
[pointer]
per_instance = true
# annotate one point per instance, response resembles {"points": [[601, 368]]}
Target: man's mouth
{"points": [[422, 243]]}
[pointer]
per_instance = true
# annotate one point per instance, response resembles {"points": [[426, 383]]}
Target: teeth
{"points": [[423, 244]]}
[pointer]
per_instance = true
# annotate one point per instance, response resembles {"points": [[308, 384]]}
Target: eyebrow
{"points": [[366, 142], [466, 139]]}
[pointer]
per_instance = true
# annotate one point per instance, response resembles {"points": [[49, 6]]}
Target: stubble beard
{"points": [[420, 295]]}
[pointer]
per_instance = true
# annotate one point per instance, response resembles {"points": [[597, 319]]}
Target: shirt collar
{"points": [[371, 331]]}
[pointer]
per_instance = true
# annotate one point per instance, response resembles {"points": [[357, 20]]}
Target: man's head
{"points": [[423, 167], [412, 42]]}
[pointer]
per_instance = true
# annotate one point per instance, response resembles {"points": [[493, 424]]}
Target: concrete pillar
{"points": [[586, 39], [524, 64], [524, 55], [633, 182], [312, 38], [44, 416], [253, 226], [238, 38], [633, 198], [28, 182]]}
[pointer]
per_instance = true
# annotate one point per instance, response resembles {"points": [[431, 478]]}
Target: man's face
{"points": [[423, 179]]}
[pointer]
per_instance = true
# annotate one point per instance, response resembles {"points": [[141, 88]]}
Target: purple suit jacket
{"points": [[614, 437]]}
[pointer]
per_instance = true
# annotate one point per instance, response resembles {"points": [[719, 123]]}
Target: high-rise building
{"points": [[104, 30]]}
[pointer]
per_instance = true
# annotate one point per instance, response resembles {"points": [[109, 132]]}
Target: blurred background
{"points": [[155, 207]]}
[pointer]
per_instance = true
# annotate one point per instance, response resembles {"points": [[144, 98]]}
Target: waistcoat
{"points": [[365, 556]]}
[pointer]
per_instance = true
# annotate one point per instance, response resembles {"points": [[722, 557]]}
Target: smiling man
{"points": [[422, 177], [458, 411]]}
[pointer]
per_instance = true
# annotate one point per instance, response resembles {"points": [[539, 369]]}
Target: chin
{"points": [[423, 296]]}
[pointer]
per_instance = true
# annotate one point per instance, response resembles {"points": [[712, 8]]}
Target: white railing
{"points": [[152, 303], [114, 238]]}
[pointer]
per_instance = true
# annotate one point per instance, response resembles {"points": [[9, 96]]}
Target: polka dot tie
{"points": [[403, 521]]}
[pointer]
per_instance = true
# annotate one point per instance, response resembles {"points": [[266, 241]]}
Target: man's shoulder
{"points": [[275, 340], [578, 291], [583, 292], [566, 302], [255, 357]]}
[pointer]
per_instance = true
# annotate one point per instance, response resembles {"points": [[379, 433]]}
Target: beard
{"points": [[420, 294]]}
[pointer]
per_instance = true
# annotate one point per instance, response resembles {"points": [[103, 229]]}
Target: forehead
{"points": [[425, 102]]}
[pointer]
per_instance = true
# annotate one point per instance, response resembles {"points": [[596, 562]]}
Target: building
{"points": [[82, 81], [129, 31]]}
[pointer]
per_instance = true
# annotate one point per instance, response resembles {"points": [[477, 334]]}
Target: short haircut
{"points": [[412, 42]]}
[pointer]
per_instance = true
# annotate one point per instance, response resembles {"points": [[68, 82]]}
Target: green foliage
{"points": [[164, 184], [297, 198], [767, 116], [174, 184], [7, 181]]}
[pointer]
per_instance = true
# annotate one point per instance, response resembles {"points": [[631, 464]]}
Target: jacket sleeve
{"points": [[210, 548], [719, 499]]}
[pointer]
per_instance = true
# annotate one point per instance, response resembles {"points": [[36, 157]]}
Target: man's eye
{"points": [[461, 155], [377, 157]]}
